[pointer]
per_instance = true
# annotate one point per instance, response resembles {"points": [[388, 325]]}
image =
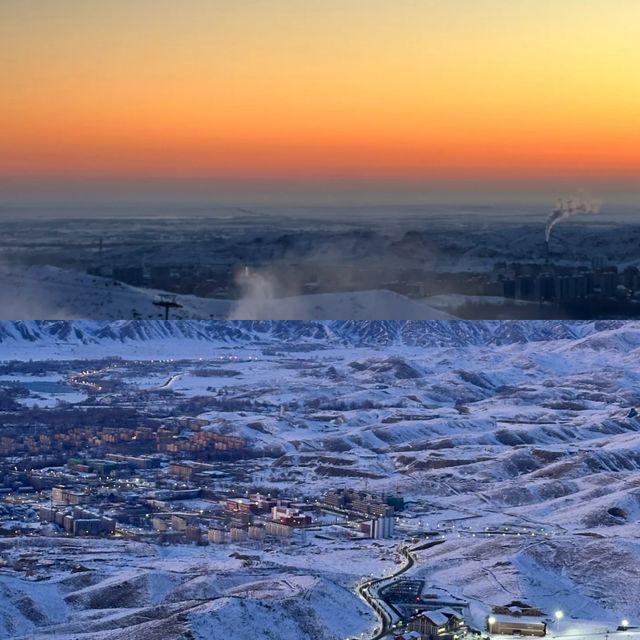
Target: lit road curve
{"points": [[364, 589]]}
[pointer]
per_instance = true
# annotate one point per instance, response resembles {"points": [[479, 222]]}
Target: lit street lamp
{"points": [[559, 615], [491, 621], [624, 625]]}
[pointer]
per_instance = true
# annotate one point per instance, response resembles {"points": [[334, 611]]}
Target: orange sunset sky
{"points": [[121, 92]]}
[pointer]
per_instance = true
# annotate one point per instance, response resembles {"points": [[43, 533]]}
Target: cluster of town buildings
{"points": [[170, 479], [77, 521], [167, 499], [199, 280], [165, 438], [447, 622], [378, 512], [556, 283], [236, 519], [202, 515]]}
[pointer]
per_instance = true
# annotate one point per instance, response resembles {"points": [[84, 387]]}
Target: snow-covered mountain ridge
{"points": [[421, 333]]}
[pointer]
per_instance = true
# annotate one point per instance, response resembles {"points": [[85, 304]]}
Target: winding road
{"points": [[364, 589]]}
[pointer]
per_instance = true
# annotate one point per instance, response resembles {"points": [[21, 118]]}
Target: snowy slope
{"points": [[49, 292]]}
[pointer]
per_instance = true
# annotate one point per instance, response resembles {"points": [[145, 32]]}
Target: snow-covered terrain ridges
{"points": [[581, 579], [411, 333], [307, 608], [144, 592], [528, 433]]}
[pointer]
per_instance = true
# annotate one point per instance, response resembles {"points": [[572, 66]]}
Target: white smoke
{"points": [[566, 208], [258, 299]]}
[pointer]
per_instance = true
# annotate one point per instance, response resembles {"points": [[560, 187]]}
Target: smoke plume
{"points": [[259, 298], [566, 208]]}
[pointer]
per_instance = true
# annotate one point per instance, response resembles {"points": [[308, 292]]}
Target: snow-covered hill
{"points": [[49, 292], [146, 593]]}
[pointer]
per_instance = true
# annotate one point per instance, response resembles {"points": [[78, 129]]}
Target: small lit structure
{"points": [[441, 624], [517, 619]]}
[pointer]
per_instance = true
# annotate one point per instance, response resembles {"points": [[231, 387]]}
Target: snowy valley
{"points": [[515, 446]]}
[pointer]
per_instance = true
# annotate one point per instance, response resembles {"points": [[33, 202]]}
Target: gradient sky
{"points": [[146, 93]]}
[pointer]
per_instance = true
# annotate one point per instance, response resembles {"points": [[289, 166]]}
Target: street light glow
{"points": [[559, 615], [491, 619], [624, 623]]}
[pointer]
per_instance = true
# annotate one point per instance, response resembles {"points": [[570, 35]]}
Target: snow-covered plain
{"points": [[517, 442]]}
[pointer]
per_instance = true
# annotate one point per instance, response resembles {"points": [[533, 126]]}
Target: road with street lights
{"points": [[364, 589]]}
